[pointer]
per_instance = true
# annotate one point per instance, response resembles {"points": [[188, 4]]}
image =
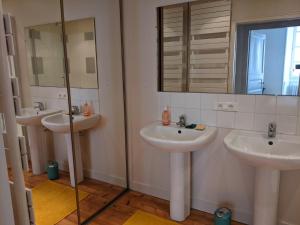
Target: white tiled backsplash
{"points": [[254, 112], [56, 98]]}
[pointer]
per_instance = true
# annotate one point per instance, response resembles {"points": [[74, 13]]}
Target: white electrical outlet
{"points": [[62, 95], [226, 106]]}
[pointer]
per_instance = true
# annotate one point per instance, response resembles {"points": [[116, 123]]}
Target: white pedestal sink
{"points": [[269, 156], [31, 118], [60, 123], [180, 142]]}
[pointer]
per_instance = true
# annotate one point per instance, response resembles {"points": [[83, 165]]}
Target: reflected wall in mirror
{"points": [[220, 46], [45, 54], [46, 161]]}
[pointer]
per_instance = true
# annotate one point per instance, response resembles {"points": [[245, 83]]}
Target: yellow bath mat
{"points": [[52, 202], [143, 218]]}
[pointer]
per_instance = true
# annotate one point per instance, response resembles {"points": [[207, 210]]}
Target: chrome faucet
{"points": [[75, 110], [272, 130], [182, 121], [39, 106]]}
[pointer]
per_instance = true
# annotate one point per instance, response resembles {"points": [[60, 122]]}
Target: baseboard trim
{"points": [[115, 180], [149, 190], [199, 204], [239, 215], [283, 222]]}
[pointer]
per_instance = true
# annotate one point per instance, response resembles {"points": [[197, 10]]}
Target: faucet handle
{"points": [[39, 105], [75, 110], [272, 125], [272, 129], [181, 122]]}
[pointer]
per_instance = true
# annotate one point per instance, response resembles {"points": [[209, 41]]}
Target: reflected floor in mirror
{"points": [[98, 194], [132, 202]]}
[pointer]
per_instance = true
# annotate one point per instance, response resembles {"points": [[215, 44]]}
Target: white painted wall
{"points": [[217, 176], [104, 146]]}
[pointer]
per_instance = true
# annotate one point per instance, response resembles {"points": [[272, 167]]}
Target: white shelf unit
{"points": [[10, 98]]}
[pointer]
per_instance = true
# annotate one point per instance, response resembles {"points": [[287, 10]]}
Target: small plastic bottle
{"points": [[86, 109], [166, 117]]}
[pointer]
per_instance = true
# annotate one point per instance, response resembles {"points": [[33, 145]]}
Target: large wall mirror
{"points": [[215, 47], [56, 74], [45, 55]]}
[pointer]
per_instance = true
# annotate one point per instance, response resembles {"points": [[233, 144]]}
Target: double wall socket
{"points": [[226, 106], [62, 95]]}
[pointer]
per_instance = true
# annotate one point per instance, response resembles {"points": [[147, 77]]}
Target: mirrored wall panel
{"points": [[268, 58], [207, 46], [42, 114], [98, 110]]}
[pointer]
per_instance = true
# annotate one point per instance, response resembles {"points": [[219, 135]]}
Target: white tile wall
{"points": [[225, 119], [265, 104], [254, 112], [287, 105], [50, 97]]}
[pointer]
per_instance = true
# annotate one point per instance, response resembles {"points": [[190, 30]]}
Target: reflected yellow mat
{"points": [[143, 218], [52, 202]]}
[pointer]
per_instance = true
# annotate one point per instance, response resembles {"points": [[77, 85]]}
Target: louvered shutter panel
{"points": [[174, 48], [209, 46]]}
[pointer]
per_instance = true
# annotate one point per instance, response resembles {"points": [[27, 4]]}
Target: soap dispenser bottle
{"points": [[166, 117], [86, 109]]}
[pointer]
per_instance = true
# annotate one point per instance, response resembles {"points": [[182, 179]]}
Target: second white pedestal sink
{"points": [[31, 118], [180, 142], [60, 123], [269, 156]]}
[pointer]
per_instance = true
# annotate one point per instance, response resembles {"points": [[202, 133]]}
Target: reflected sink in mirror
{"points": [[33, 117], [268, 156], [60, 123], [37, 137], [180, 142]]}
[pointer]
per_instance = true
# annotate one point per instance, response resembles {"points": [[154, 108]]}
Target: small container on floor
{"points": [[52, 170], [222, 216]]}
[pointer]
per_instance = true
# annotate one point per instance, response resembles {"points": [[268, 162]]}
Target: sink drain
{"points": [[270, 143]]}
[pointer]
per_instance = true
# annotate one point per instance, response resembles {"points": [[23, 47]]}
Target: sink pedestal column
{"points": [[180, 199], [266, 196], [78, 158], [37, 139]]}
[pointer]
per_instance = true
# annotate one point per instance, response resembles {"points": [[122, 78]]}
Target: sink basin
{"points": [[281, 153], [30, 116], [176, 139], [268, 156], [60, 122], [179, 142]]}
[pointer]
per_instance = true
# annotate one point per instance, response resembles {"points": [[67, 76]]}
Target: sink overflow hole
{"points": [[179, 132], [270, 142]]}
